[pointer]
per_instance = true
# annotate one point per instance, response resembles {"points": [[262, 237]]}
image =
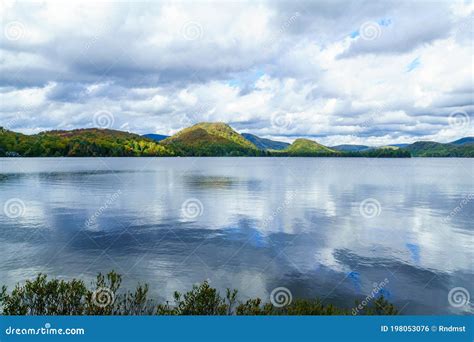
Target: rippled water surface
{"points": [[325, 227]]}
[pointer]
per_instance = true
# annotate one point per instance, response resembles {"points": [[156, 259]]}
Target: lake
{"points": [[331, 228]]}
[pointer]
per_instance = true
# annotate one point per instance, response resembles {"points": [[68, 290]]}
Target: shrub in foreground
{"points": [[42, 296]]}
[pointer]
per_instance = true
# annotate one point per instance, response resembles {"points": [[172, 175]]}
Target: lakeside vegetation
{"points": [[434, 149], [80, 143], [201, 140], [43, 296]]}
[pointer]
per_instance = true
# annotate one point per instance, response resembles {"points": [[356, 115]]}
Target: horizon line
{"points": [[309, 137]]}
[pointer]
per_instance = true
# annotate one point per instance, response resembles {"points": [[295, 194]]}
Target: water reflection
{"points": [[265, 223]]}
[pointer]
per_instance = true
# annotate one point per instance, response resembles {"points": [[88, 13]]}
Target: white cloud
{"points": [[161, 66]]}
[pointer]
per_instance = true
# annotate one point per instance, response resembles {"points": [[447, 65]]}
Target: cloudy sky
{"points": [[371, 72]]}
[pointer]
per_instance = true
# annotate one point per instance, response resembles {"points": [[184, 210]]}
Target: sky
{"points": [[339, 72]]}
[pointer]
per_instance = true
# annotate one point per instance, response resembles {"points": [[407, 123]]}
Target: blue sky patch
{"points": [[414, 64], [248, 78], [385, 22], [382, 22]]}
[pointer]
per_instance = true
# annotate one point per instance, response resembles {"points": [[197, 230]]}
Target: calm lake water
{"points": [[321, 227]]}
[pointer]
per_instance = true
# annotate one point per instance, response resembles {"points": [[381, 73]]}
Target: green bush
{"points": [[60, 297]]}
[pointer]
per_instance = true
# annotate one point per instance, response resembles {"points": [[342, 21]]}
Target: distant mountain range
{"points": [[463, 141], [205, 139], [265, 144], [156, 137], [350, 148], [434, 149], [459, 148], [399, 145]]}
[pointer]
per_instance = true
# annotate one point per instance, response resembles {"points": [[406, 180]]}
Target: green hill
{"points": [[382, 152], [91, 142], [265, 144], [203, 139], [210, 139], [463, 141], [309, 148], [434, 149], [306, 147]]}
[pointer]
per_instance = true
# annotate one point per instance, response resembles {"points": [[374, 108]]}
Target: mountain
{"points": [[306, 147], [210, 139], [434, 149], [265, 144], [386, 147], [388, 151], [203, 139], [382, 152], [309, 148], [360, 148], [91, 142], [350, 148], [399, 145], [463, 141], [155, 137]]}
